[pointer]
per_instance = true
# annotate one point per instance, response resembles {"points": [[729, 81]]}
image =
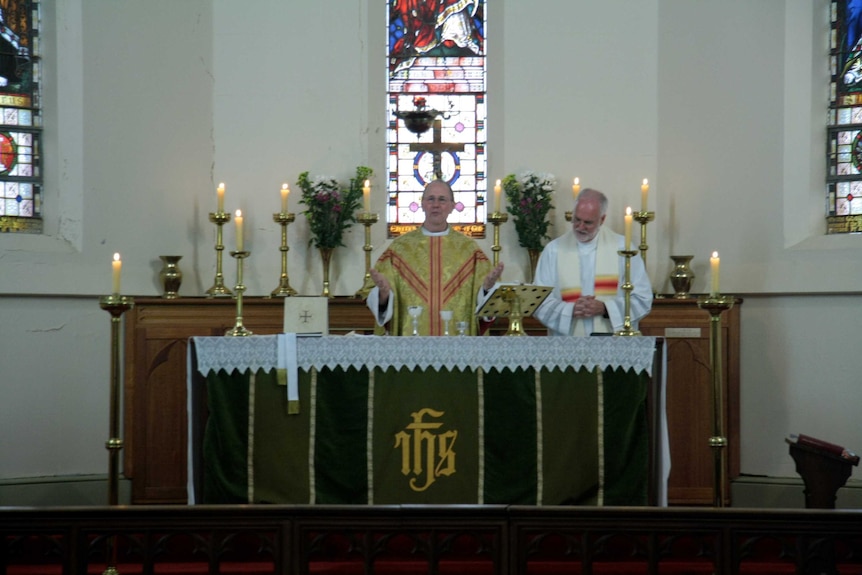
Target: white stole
{"points": [[602, 281]]}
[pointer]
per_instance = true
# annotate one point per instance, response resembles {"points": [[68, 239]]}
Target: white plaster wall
{"points": [[151, 103]]}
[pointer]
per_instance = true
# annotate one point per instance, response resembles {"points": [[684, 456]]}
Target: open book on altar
{"points": [[514, 299]]}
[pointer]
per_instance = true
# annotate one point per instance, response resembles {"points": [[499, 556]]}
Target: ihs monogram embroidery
{"points": [[425, 453]]}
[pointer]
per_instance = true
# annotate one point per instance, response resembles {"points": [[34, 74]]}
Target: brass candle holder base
{"points": [[715, 304], [239, 330], [283, 289], [218, 289], [496, 219], [627, 286], [367, 219]]}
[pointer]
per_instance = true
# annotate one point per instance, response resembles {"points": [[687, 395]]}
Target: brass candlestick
{"points": [[643, 218], [283, 289], [497, 218], [367, 219], [239, 330], [568, 215], [218, 289], [715, 304], [628, 287], [116, 305]]}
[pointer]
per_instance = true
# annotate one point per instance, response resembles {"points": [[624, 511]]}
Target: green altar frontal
{"points": [[426, 420]]}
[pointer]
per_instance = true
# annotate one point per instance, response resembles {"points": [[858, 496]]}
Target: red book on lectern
{"points": [[822, 445]]}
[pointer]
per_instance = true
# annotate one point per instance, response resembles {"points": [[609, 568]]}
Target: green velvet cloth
{"points": [[432, 437]]}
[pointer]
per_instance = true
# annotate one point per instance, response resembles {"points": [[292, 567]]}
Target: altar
{"points": [[427, 420]]}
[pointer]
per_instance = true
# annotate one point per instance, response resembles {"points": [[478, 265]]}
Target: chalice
{"points": [[462, 327], [415, 311], [446, 316]]}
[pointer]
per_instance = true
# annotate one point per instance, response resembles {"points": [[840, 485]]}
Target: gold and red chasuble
{"points": [[435, 272]]}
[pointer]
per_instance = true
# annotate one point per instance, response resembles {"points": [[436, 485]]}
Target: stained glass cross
{"points": [[437, 147]]}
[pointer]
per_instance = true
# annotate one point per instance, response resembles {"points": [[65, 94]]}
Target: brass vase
{"points": [[171, 276], [534, 259], [681, 276], [326, 257]]}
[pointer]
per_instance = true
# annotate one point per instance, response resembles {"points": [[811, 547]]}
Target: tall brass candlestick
{"points": [[497, 218], [283, 289], [715, 304], [116, 305], [239, 330], [367, 219], [643, 218], [218, 289], [628, 287]]}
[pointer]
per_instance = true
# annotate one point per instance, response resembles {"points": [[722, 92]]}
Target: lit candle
{"points": [[117, 265], [576, 188], [498, 206], [220, 194], [238, 220], [366, 195], [284, 192], [713, 263], [644, 192], [628, 219]]}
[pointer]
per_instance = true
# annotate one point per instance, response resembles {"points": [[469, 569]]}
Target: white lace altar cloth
{"points": [[261, 352]]}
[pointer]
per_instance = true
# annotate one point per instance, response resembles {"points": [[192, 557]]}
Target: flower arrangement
{"points": [[329, 207], [529, 199]]}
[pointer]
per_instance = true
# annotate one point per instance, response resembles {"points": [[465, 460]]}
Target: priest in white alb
{"points": [[434, 267], [586, 273]]}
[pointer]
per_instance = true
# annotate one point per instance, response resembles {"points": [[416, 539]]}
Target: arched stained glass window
{"points": [[844, 138], [436, 109]]}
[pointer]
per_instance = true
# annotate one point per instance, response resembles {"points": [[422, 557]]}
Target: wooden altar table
{"points": [[427, 420]]}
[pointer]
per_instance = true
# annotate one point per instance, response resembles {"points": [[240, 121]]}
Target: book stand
{"points": [[822, 471], [514, 302]]}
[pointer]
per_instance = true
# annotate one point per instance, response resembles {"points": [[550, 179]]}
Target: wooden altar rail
{"points": [[476, 540]]}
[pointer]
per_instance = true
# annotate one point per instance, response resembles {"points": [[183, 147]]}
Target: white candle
{"points": [[628, 219], [238, 220], [284, 193], [713, 263], [366, 196], [220, 195], [117, 265], [498, 194], [644, 192], [576, 188]]}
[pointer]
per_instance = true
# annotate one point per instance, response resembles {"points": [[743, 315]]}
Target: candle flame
{"points": [[628, 210], [284, 187], [577, 181], [117, 257], [239, 213], [646, 181], [715, 254]]}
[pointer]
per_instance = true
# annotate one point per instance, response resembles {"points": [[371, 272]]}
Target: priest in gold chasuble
{"points": [[434, 267]]}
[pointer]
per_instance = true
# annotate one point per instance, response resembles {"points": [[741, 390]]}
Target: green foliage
{"points": [[329, 207], [529, 198]]}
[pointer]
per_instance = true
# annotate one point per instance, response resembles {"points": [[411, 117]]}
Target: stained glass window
{"points": [[844, 138], [436, 108]]}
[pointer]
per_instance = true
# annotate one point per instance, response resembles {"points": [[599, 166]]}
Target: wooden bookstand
{"points": [[823, 471]]}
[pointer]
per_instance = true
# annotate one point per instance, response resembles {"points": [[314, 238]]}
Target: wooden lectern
{"points": [[824, 467]]}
